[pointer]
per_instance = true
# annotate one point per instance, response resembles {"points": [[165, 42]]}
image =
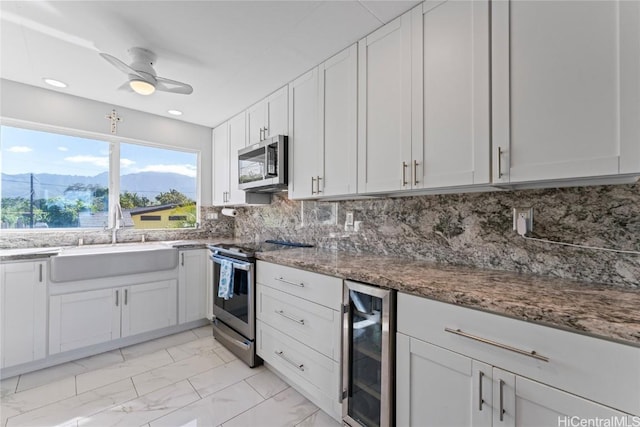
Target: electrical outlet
{"points": [[349, 219], [211, 215], [523, 216]]}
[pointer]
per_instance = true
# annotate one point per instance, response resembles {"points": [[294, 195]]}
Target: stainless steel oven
{"points": [[234, 320]]}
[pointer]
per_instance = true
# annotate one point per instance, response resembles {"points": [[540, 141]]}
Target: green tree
{"points": [[93, 194], [173, 197], [133, 200]]}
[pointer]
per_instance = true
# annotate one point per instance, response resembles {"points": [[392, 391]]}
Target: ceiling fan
{"points": [[142, 76]]}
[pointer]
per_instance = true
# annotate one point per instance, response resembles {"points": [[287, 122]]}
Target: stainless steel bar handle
{"points": [[497, 344], [126, 296], [502, 411], [415, 172], [286, 359], [280, 279], [499, 162], [40, 273], [242, 345], [117, 298], [318, 184], [261, 130], [288, 316], [480, 399], [265, 132], [182, 259], [313, 181], [404, 174]]}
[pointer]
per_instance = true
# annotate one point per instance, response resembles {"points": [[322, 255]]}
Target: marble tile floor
{"points": [[183, 380]]}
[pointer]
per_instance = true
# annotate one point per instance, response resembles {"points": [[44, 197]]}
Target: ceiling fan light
{"points": [[142, 87]]}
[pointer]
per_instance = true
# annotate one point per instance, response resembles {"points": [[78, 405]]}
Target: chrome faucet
{"points": [[117, 217]]}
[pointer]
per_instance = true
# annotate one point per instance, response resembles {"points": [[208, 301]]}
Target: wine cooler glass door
{"points": [[367, 356]]}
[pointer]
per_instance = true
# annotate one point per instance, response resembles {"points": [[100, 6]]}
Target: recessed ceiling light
{"points": [[175, 112], [54, 83]]}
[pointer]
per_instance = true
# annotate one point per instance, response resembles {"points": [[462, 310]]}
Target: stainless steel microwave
{"points": [[262, 167]]}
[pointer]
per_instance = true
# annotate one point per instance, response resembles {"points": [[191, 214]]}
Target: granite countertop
{"points": [[602, 311]]}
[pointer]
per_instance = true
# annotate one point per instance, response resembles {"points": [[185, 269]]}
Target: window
{"points": [[52, 180]]}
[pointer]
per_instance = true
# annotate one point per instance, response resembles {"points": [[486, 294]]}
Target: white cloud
{"points": [[188, 170], [125, 163], [19, 149], [63, 149], [102, 162]]}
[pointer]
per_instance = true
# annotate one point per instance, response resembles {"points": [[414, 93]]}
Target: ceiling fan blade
{"points": [[121, 66], [173, 86]]}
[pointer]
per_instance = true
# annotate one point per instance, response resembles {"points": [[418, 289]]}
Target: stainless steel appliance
{"points": [[262, 167], [234, 321], [368, 355]]}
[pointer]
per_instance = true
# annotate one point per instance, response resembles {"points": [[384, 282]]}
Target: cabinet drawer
{"points": [[597, 369], [315, 373], [314, 325], [321, 289]]}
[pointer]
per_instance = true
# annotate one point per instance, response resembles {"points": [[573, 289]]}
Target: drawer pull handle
{"points": [[497, 344], [280, 279], [300, 367], [287, 316], [502, 411], [480, 399]]}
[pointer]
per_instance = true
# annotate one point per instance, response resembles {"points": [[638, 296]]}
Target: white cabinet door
{"points": [[149, 306], [304, 144], [277, 113], [23, 322], [237, 140], [451, 109], [256, 122], [384, 107], [566, 78], [84, 318], [437, 387], [526, 403], [339, 126], [221, 164], [192, 282]]}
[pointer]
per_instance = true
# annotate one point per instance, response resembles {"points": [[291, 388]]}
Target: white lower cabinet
{"points": [[23, 312], [458, 367], [298, 333], [81, 319], [192, 285]]}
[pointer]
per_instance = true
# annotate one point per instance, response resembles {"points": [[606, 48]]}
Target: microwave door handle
{"points": [[236, 266]]}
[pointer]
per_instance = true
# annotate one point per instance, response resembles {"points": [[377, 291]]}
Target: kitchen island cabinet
{"points": [[23, 321]]}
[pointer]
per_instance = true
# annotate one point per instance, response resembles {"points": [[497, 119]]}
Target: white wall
{"points": [[30, 104]]}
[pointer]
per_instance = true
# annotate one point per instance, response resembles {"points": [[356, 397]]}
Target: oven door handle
{"points": [[232, 340], [236, 265]]}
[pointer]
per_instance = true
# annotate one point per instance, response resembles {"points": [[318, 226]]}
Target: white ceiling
{"points": [[233, 53]]}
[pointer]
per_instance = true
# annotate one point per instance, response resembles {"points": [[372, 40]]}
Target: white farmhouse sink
{"points": [[100, 261]]}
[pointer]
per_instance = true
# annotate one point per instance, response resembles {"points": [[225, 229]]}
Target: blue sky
{"points": [[25, 151]]}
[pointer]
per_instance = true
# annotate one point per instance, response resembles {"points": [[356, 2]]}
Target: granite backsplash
{"points": [[473, 229]]}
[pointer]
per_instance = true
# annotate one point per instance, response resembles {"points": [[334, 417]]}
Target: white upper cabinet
{"points": [[237, 140], [450, 108], [566, 89], [338, 124], [269, 117], [384, 108], [323, 128], [221, 164], [304, 141]]}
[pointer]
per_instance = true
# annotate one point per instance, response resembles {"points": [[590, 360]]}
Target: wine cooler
{"points": [[368, 352]]}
